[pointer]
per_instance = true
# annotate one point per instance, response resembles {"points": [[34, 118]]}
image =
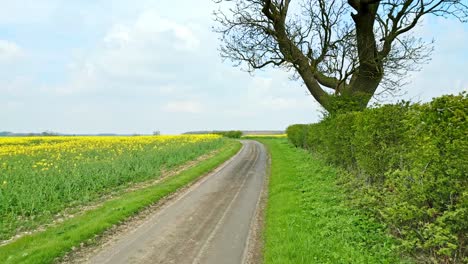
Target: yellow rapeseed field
{"points": [[41, 176]]}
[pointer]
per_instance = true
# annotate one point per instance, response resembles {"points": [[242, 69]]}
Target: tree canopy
{"points": [[343, 50]]}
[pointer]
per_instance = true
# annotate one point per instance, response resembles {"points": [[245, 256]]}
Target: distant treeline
{"points": [[52, 134], [244, 132], [44, 134], [229, 133]]}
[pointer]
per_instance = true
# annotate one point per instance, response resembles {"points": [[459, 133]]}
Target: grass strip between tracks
{"points": [[307, 219], [56, 241]]}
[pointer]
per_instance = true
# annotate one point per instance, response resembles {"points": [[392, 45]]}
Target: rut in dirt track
{"points": [[209, 223]]}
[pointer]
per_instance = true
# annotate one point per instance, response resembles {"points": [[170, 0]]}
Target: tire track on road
{"points": [[208, 223]]}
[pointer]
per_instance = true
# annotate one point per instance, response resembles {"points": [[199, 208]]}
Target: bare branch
{"points": [[328, 48]]}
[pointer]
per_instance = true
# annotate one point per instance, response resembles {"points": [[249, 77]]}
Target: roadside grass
{"points": [[307, 219], [56, 241], [265, 136]]}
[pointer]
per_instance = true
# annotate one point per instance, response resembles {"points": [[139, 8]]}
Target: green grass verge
{"points": [[55, 242], [307, 220]]}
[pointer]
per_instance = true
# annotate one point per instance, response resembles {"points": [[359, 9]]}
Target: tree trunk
{"points": [[364, 81], [369, 74]]}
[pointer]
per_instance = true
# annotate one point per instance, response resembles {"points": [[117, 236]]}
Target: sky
{"points": [[102, 66]]}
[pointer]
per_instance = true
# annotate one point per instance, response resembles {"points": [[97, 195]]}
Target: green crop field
{"points": [[42, 176]]}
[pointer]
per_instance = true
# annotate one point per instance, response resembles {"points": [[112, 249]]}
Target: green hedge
{"points": [[408, 165], [230, 134]]}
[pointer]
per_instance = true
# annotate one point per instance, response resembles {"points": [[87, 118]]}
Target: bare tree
{"points": [[341, 49]]}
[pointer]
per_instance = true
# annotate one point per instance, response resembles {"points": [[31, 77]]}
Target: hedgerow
{"points": [[230, 134], [408, 165]]}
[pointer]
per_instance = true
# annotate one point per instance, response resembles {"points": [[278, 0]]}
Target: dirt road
{"points": [[209, 223]]}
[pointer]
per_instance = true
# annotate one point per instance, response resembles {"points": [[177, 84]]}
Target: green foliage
{"points": [[343, 103], [377, 141], [297, 134], [230, 134], [408, 166], [307, 220]]}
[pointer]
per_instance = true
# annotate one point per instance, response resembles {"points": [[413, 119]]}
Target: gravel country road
{"points": [[209, 223]]}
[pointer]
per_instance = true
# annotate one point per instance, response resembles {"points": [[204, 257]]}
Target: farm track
{"points": [[211, 222]]}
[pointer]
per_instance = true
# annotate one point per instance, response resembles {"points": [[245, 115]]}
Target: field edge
{"points": [[307, 219], [50, 245]]}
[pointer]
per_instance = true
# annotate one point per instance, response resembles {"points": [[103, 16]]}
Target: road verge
{"points": [[307, 218]]}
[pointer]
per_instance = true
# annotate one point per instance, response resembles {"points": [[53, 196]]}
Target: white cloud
{"points": [[119, 35], [13, 105], [9, 51], [276, 92], [149, 29], [151, 23], [278, 103], [446, 71], [183, 107], [26, 11], [260, 86], [131, 67], [150, 51], [16, 85], [444, 74], [160, 62]]}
